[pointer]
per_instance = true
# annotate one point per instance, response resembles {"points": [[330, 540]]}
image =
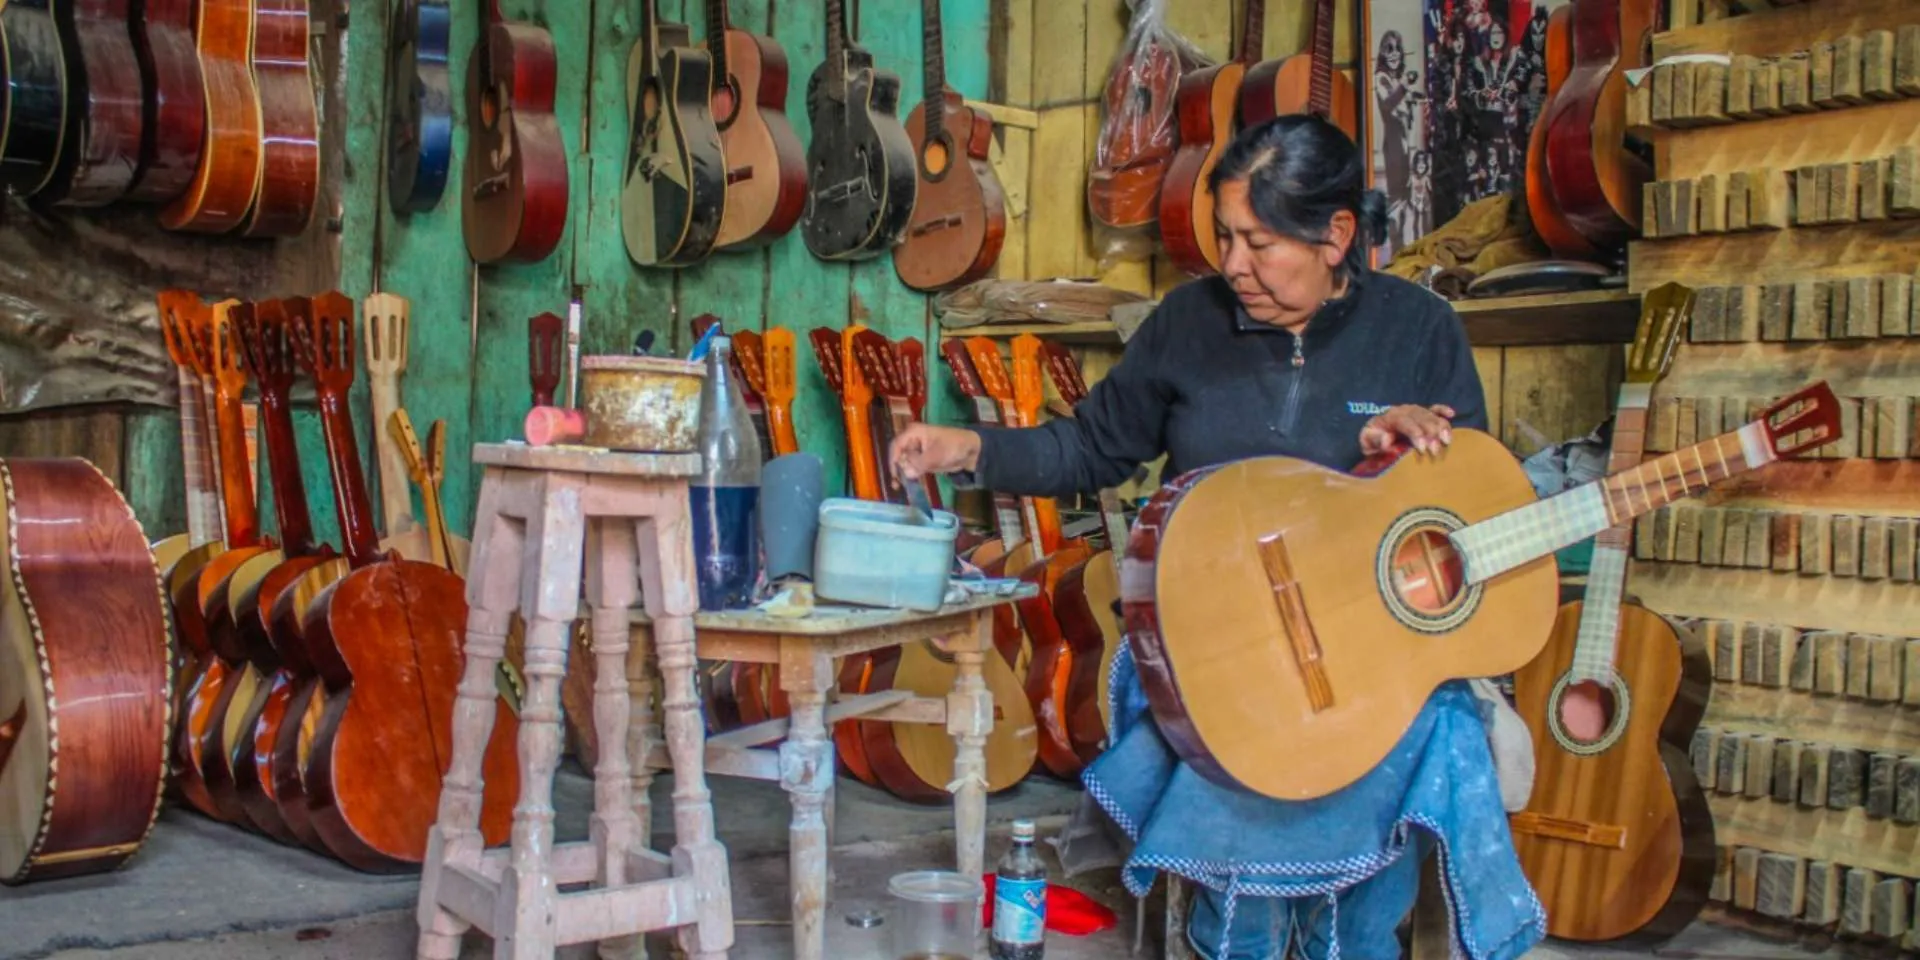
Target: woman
{"points": [[1297, 349]]}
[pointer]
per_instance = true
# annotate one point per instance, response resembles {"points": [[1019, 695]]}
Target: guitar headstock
{"points": [[264, 343], [228, 370], [879, 365], [854, 388], [400, 428], [546, 340], [183, 322], [748, 362], [437, 453], [1803, 421], [913, 372], [780, 372], [1065, 372], [826, 350], [324, 342], [386, 316], [991, 368], [1664, 312], [961, 364], [704, 322]]}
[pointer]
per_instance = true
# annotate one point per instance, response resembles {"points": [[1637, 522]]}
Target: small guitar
{"points": [[34, 124], [289, 122], [1137, 133], [1303, 83], [1596, 178], [514, 206], [860, 165], [1617, 837], [228, 175], [766, 167], [959, 217], [1440, 565], [106, 112], [419, 106], [676, 183], [174, 127], [1207, 103]]}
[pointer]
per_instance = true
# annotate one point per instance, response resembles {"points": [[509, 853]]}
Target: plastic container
{"points": [[935, 915], [875, 554]]}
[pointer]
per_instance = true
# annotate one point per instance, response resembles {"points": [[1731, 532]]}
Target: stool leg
{"points": [[806, 773], [969, 720], [667, 580], [550, 599], [643, 733], [493, 580], [612, 585]]}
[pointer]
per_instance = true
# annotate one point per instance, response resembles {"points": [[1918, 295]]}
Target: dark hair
{"points": [[1300, 170]]}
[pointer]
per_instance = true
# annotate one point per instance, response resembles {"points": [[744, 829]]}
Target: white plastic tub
{"points": [[874, 554]]}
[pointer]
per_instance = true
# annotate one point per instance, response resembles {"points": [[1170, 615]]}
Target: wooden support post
{"points": [[1837, 293], [1778, 643], [1742, 320], [1664, 425], [1709, 317], [1796, 93], [1892, 898], [1776, 311], [1858, 660], [1722, 889], [1710, 206], [1759, 539], [1856, 901], [1843, 192], [1800, 676], [1709, 93], [1820, 75], [1809, 196], [1770, 198], [1871, 177], [1752, 651], [1906, 60], [1713, 526], [1829, 662], [1686, 516], [1910, 688], [1903, 189], [1813, 776], [1848, 60], [1863, 308], [1874, 553], [1766, 88], [1733, 542], [1886, 662], [1740, 76], [1731, 777]]}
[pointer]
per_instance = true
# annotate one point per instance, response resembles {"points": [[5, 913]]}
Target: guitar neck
{"points": [[934, 58], [1599, 631], [283, 466], [349, 491], [1007, 511], [717, 26], [837, 39], [1253, 31], [1504, 542], [649, 36], [1114, 517], [203, 502], [1320, 83]]}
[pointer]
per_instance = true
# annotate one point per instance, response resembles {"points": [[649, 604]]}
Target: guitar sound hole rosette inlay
{"points": [[1419, 572]]}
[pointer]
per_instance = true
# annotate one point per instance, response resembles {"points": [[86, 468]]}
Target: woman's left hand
{"points": [[1426, 429]]}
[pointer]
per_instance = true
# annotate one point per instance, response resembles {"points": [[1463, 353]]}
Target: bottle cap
{"points": [[1023, 829]]}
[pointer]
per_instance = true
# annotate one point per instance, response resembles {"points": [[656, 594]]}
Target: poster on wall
{"points": [[1456, 85]]}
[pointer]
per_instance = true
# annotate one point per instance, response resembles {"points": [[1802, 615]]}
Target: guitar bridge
{"points": [[936, 224], [1294, 619], [1608, 835], [739, 175]]}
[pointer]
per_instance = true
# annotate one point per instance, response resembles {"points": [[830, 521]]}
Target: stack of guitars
{"points": [[313, 685]]}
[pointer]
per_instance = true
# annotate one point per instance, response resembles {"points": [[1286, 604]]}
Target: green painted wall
{"points": [[468, 358]]}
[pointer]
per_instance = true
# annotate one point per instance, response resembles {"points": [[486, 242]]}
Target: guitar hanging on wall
{"points": [[176, 101], [1303, 83], [676, 184], [860, 165], [959, 219], [35, 120], [228, 175], [1597, 175], [766, 166], [1207, 104], [1137, 136], [1617, 837], [105, 113], [419, 106], [289, 186], [514, 206]]}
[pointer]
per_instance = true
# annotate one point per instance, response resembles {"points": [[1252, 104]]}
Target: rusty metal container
{"points": [[641, 404]]}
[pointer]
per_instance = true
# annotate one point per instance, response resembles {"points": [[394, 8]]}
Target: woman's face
{"points": [[1277, 278]]}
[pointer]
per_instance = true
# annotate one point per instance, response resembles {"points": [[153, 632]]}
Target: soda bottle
{"points": [[1019, 900], [725, 496]]}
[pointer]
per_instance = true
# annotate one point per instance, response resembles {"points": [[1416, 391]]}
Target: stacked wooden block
{"points": [[1878, 188], [1846, 72]]}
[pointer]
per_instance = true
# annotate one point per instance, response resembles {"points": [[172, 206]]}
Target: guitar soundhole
{"points": [[936, 156], [1586, 711], [726, 102], [1427, 573]]}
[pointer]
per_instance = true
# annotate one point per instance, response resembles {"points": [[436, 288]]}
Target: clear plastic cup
{"points": [[935, 915]]}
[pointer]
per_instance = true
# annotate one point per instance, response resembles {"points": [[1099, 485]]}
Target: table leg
{"points": [[806, 773], [612, 585], [969, 720]]}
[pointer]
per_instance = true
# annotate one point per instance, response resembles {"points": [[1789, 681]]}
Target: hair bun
{"points": [[1373, 216]]}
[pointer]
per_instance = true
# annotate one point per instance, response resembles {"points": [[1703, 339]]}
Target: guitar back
{"points": [[225, 181], [105, 104], [1206, 105], [514, 197], [676, 186], [33, 67], [174, 127], [290, 122], [419, 106], [1596, 178], [1543, 207], [860, 165], [959, 220]]}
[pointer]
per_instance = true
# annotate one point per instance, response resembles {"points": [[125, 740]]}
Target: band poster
{"points": [[1455, 87]]}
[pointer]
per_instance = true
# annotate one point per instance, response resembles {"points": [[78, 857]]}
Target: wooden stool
{"points": [[543, 515]]}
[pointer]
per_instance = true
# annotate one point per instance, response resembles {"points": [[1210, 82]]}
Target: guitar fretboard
{"points": [[204, 522], [1320, 81], [933, 55], [1599, 632]]}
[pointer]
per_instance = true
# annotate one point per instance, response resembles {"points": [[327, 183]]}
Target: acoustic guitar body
{"points": [[210, 689], [1124, 191], [514, 206], [419, 106], [174, 127], [386, 643], [305, 702], [35, 75], [860, 166], [105, 104], [1543, 206], [959, 220], [1206, 105], [676, 185], [766, 166], [1595, 178], [253, 745], [1227, 674], [224, 183], [84, 700], [1283, 87], [1083, 604], [226, 724], [919, 757], [191, 657], [1617, 837], [290, 123]]}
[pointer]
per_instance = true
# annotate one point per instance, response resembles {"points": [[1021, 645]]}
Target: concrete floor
{"points": [[203, 891]]}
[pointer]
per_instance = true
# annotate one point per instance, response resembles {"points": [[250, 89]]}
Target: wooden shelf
{"points": [[1594, 316]]}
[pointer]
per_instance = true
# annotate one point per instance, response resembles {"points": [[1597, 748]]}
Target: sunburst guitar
{"points": [[1617, 838]]}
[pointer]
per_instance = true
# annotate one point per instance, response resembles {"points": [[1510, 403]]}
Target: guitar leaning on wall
{"points": [[1207, 104], [1303, 83], [1441, 565], [419, 106], [766, 167], [676, 184], [959, 219], [514, 206], [860, 165], [1617, 837]]}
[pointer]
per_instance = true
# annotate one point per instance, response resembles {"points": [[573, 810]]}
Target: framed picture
{"points": [[1454, 87]]}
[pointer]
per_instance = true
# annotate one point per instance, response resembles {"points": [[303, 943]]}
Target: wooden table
{"points": [[805, 650]]}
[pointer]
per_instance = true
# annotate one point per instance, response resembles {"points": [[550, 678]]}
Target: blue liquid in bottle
{"points": [[725, 497]]}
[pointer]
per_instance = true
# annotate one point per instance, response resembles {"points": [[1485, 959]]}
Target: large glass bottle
{"points": [[726, 495]]}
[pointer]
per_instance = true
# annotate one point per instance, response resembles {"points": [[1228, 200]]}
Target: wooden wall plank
{"points": [[152, 478], [891, 30], [1561, 392], [1785, 29]]}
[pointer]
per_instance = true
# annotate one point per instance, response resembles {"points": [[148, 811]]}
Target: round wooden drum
{"points": [[85, 674]]}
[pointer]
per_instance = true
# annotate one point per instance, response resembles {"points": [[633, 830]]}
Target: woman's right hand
{"points": [[922, 449]]}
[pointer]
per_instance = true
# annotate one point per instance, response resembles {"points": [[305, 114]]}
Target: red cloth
{"points": [[1068, 911]]}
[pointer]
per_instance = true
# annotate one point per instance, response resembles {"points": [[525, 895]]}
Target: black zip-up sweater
{"points": [[1205, 384]]}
